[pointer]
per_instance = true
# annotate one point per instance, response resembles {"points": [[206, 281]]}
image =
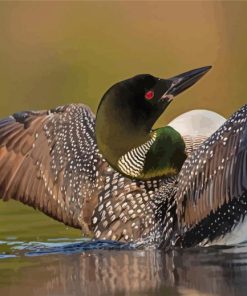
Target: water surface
{"points": [[79, 268], [46, 258]]}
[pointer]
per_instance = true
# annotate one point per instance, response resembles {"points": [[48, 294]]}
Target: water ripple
{"points": [[18, 248]]}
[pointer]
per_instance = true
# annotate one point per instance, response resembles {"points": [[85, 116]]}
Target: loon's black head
{"points": [[129, 109]]}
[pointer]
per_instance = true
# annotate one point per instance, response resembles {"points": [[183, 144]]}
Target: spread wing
{"points": [[49, 160], [213, 181]]}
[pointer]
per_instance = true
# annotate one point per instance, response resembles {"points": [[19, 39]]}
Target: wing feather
{"points": [[214, 174], [49, 160], [36, 167]]}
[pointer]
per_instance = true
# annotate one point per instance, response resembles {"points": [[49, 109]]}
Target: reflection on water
{"points": [[82, 268]]}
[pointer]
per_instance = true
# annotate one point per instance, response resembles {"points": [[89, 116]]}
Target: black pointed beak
{"points": [[183, 81]]}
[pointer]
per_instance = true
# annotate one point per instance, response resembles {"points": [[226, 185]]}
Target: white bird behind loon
{"points": [[116, 178]]}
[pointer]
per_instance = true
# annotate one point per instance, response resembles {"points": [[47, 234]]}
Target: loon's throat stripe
{"points": [[132, 163]]}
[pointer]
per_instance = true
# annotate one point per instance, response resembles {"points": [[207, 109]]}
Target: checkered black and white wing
{"points": [[212, 185]]}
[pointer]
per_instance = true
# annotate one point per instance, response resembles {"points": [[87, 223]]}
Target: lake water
{"points": [[41, 257]]}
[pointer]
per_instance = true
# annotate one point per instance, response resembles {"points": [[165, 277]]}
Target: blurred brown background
{"points": [[52, 53], [59, 52]]}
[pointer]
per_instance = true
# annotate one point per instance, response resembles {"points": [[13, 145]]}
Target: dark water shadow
{"points": [[18, 248]]}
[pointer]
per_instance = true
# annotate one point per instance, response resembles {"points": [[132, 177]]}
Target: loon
{"points": [[116, 178]]}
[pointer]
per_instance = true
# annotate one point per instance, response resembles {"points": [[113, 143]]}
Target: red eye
{"points": [[149, 95]]}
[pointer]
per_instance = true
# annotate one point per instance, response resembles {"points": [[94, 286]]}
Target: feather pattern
{"points": [[132, 163], [50, 161], [44, 160], [213, 179]]}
